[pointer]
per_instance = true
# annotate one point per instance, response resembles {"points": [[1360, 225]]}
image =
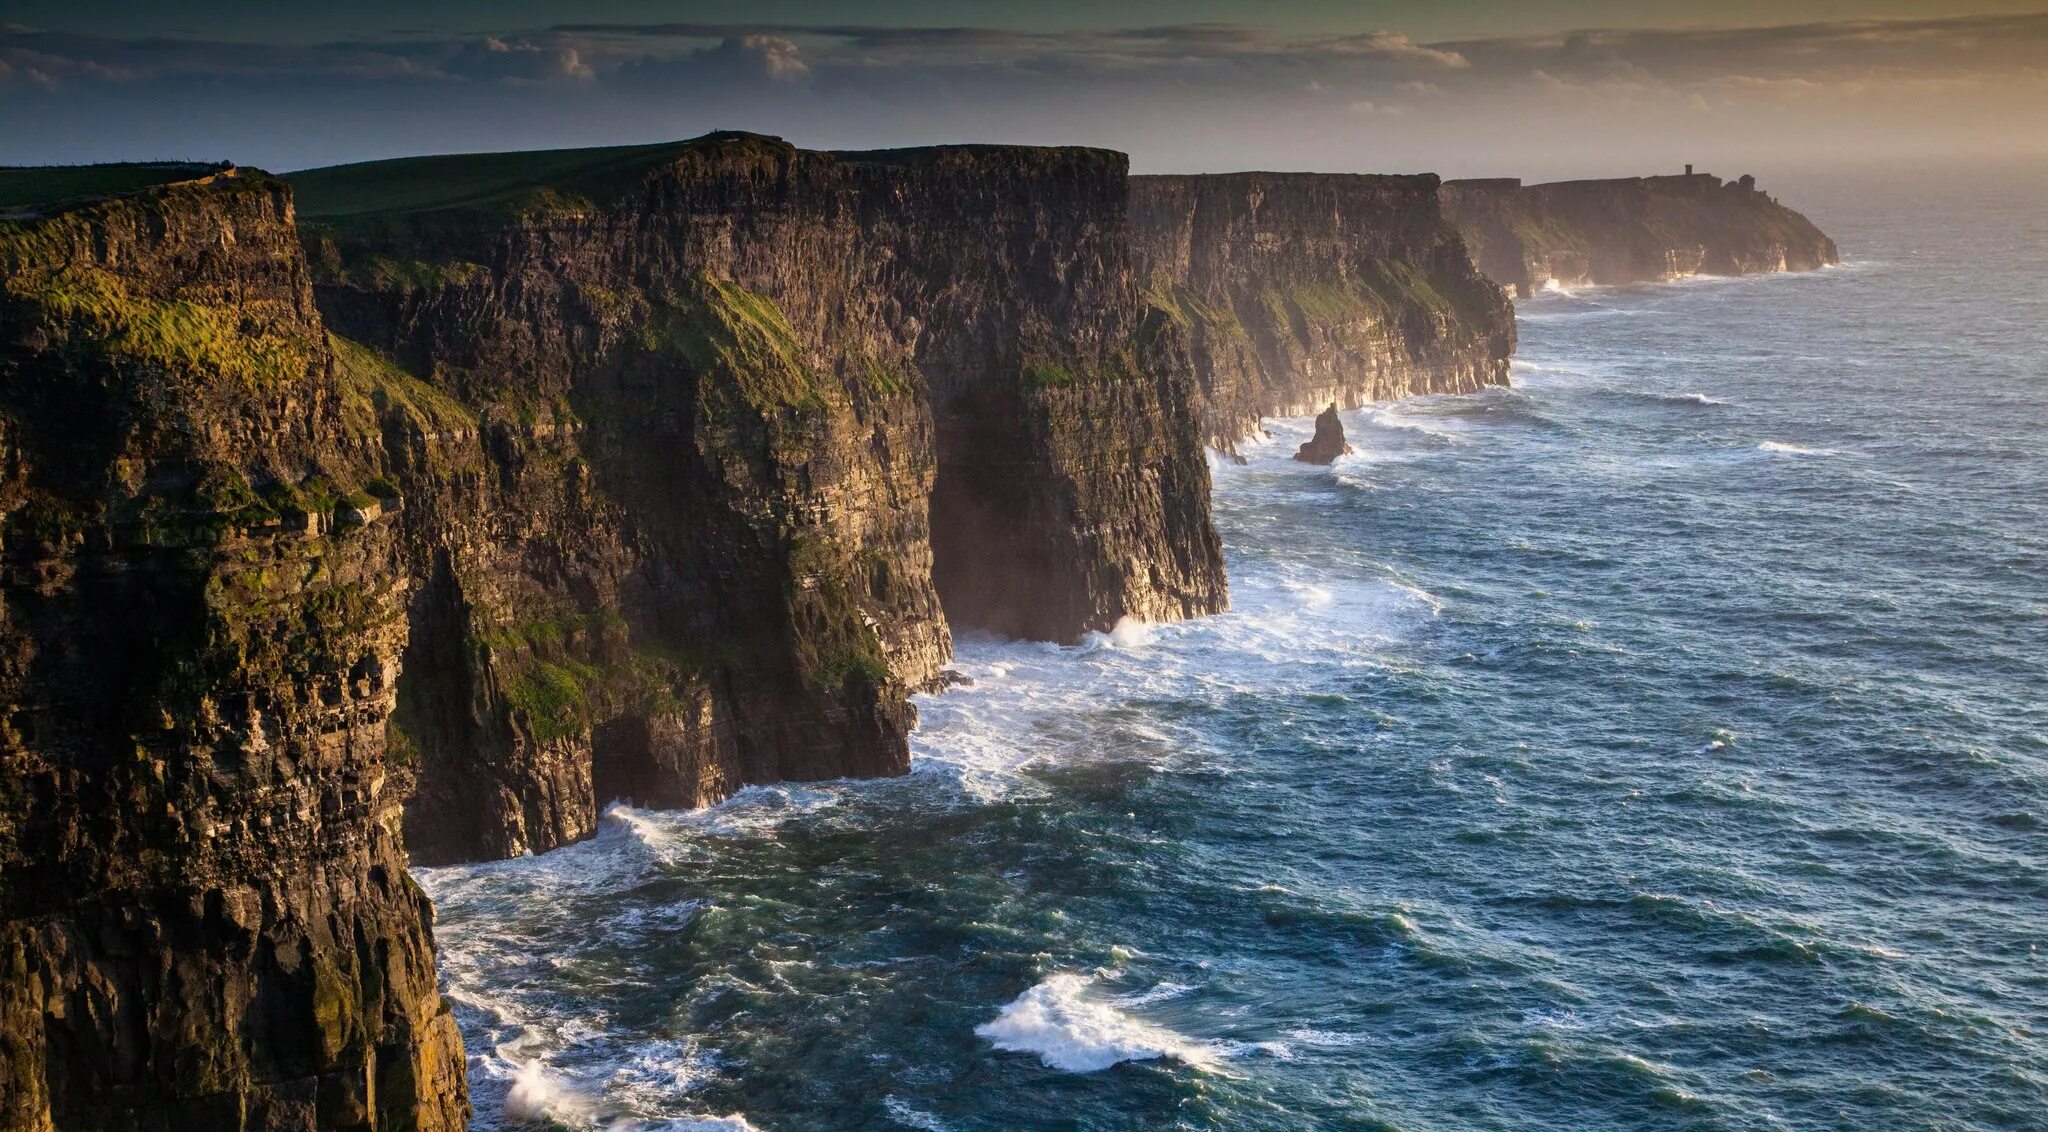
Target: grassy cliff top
{"points": [[21, 186], [485, 180]]}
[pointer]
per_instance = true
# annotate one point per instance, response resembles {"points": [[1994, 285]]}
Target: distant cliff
{"points": [[1299, 289], [1631, 230], [205, 920]]}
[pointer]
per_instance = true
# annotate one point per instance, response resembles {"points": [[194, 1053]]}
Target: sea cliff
{"points": [[421, 518], [753, 427], [205, 918], [1629, 230], [1297, 290]]}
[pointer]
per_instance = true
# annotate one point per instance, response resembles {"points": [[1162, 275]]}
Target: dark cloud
{"points": [[1189, 91]]}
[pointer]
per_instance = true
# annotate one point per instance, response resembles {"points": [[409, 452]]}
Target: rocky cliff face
{"points": [[205, 920], [1631, 230], [712, 440], [1299, 289], [641, 473]]}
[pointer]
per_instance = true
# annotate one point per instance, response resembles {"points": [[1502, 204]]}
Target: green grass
{"points": [[407, 184], [1191, 310], [537, 180], [47, 184], [373, 385], [1041, 375], [559, 680], [742, 345]]}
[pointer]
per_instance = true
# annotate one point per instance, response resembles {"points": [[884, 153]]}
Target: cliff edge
{"points": [[205, 920]]}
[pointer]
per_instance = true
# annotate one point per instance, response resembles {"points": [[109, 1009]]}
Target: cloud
{"points": [[1250, 59], [519, 61], [1215, 91], [1399, 48]]}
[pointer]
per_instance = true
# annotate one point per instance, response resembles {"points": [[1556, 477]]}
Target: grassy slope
{"points": [[41, 184], [469, 180]]}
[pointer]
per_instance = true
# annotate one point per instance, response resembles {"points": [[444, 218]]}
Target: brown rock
{"points": [[1328, 442]]}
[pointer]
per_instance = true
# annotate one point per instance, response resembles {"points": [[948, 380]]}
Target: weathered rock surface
{"points": [[1629, 230], [1299, 289], [1328, 442], [716, 428], [205, 920]]}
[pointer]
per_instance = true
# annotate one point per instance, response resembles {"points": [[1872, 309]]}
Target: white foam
{"points": [[1127, 633], [539, 1096], [901, 1112], [1327, 1039], [1785, 449], [1073, 1032], [1164, 992]]}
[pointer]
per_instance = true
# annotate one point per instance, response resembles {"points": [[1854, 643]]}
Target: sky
{"points": [[1535, 88]]}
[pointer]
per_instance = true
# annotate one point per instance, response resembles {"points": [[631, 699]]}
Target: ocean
{"points": [[1661, 742]]}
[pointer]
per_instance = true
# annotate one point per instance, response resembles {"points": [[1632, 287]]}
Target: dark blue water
{"points": [[1659, 743]]}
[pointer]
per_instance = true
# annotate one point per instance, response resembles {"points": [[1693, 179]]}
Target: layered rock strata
{"points": [[725, 434], [205, 919], [1629, 230], [1299, 289]]}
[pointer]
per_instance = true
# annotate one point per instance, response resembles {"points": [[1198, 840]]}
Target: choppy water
{"points": [[1659, 743]]}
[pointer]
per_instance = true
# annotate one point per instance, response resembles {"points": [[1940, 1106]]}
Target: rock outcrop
{"points": [[1299, 289], [728, 434], [1629, 230], [1328, 442], [205, 919]]}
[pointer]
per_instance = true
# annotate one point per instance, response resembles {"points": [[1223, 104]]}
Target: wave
{"points": [[901, 1112], [1784, 449], [1075, 1033]]}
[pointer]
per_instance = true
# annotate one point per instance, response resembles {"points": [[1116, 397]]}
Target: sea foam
{"points": [[1071, 1031]]}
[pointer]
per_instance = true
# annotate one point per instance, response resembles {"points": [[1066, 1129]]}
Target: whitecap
{"points": [[1072, 1032], [901, 1112], [1161, 993], [1327, 1039], [539, 1096], [1782, 448], [732, 1122]]}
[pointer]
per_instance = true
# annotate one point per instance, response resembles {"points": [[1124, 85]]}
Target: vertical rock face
{"points": [[205, 920], [1629, 230], [633, 473], [1298, 289], [716, 427]]}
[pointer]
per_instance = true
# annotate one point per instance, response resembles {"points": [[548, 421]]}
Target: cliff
{"points": [[1631, 230], [205, 920], [640, 473], [729, 435], [1296, 290]]}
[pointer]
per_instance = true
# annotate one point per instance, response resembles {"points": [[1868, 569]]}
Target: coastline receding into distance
{"points": [[418, 511]]}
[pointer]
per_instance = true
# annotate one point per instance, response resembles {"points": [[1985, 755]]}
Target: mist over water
{"points": [[1659, 743]]}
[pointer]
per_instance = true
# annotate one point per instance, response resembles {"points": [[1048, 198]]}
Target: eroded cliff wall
{"points": [[721, 426], [205, 920], [641, 474], [1296, 290], [1629, 230]]}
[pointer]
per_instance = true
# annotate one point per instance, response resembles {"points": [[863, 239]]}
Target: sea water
{"points": [[1660, 742]]}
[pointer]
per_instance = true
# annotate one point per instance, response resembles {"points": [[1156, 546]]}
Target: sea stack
{"points": [[1328, 442]]}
